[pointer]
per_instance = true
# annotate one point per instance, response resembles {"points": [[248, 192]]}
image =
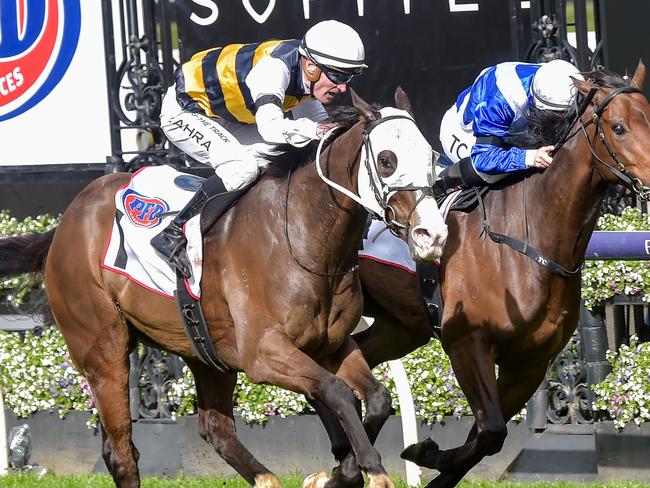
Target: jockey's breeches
{"points": [[231, 149]]}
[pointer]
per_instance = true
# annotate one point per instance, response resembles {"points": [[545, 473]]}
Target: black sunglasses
{"points": [[334, 75], [338, 77]]}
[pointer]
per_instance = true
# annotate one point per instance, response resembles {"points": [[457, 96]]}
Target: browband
{"points": [[626, 89]]}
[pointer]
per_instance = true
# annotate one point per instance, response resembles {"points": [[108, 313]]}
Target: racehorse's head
{"points": [[398, 176], [621, 116]]}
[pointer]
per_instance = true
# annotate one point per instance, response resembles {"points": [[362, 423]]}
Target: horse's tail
{"points": [[27, 255], [24, 254]]}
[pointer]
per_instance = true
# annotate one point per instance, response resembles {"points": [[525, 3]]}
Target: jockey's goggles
{"points": [[335, 75], [339, 77]]}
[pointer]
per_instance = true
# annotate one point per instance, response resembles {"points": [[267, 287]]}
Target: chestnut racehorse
{"points": [[500, 307], [281, 290]]}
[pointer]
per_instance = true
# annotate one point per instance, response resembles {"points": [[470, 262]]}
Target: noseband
{"points": [[619, 170]]}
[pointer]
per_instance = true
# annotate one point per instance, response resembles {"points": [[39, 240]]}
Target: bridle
{"points": [[381, 190], [619, 170], [384, 192]]}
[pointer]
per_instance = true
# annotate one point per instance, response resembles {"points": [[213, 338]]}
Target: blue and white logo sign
{"points": [[38, 39]]}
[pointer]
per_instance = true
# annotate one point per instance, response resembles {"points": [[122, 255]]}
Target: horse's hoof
{"points": [[379, 481], [424, 454], [267, 480], [316, 480]]}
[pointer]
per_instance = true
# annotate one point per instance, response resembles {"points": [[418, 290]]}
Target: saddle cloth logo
{"points": [[38, 39], [144, 211]]}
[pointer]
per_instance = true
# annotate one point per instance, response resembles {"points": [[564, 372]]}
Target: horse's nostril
{"points": [[420, 233], [429, 237], [424, 236]]}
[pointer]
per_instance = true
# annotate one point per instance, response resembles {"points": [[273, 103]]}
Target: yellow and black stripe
{"points": [[212, 81]]}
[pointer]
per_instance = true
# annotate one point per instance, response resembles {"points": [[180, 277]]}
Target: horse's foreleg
{"points": [[280, 363], [391, 297], [447, 480], [347, 473], [474, 368], [353, 369], [214, 393], [516, 384], [350, 366]]}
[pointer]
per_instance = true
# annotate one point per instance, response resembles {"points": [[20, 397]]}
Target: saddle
{"points": [[428, 274], [216, 206], [466, 201]]}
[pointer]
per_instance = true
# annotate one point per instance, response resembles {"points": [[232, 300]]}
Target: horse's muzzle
{"points": [[426, 244]]}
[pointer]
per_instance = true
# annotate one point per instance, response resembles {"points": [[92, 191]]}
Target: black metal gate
{"points": [[139, 54]]}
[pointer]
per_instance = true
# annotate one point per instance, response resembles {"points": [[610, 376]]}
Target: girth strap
{"points": [[428, 276], [196, 328]]}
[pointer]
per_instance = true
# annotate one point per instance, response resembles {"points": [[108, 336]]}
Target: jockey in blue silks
{"points": [[473, 132]]}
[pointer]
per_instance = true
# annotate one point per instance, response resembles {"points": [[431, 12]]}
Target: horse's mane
{"points": [[288, 158], [546, 126]]}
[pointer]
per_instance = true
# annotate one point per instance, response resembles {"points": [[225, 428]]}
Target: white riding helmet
{"points": [[552, 86], [334, 44]]}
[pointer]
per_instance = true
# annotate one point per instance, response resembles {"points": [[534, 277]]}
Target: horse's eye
{"points": [[386, 163], [618, 129]]}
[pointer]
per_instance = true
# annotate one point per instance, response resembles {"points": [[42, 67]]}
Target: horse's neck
{"points": [[335, 221], [566, 199]]}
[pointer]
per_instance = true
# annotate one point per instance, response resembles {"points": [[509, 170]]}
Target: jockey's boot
{"points": [[171, 242], [458, 176]]}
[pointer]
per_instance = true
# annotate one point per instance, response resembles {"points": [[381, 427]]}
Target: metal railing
{"points": [[138, 40]]}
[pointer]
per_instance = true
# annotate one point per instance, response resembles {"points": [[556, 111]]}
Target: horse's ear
{"points": [[365, 110], [402, 101], [583, 86], [639, 76]]}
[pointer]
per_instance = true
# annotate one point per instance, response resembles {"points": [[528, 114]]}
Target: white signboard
{"points": [[53, 101]]}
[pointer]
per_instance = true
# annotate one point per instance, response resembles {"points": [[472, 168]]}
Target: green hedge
{"points": [[603, 280], [36, 373], [625, 394]]}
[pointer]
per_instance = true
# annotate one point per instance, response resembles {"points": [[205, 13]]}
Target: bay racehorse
{"points": [[281, 291], [501, 308]]}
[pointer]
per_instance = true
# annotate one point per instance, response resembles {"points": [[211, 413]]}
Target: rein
{"points": [[580, 110], [621, 172], [352, 269]]}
